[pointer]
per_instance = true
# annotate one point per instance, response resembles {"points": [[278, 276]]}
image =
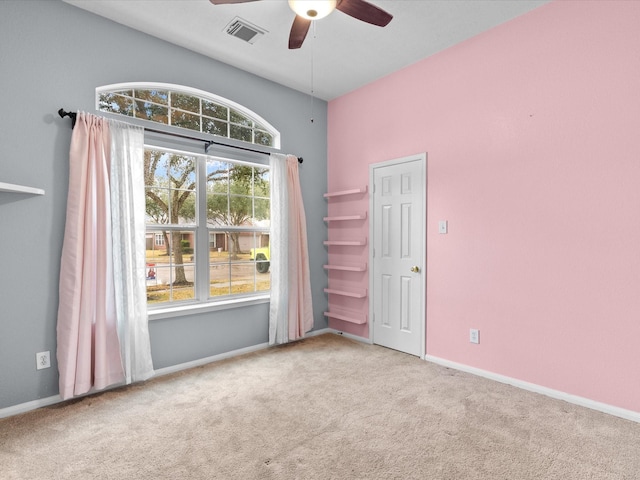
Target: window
{"points": [[188, 108], [207, 217], [209, 221]]}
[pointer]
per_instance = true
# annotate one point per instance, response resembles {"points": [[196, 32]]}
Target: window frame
{"points": [[186, 141], [203, 302], [201, 94]]}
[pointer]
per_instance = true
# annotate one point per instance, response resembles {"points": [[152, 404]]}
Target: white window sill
{"points": [[192, 309]]}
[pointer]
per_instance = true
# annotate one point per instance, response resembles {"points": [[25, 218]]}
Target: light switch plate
{"points": [[442, 226], [474, 335]]}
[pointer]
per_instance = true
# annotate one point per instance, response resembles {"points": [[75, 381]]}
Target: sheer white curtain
{"points": [[128, 237], [102, 322], [291, 310]]}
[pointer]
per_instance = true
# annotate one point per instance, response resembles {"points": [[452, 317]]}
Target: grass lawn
{"points": [[160, 293], [242, 284], [160, 256]]}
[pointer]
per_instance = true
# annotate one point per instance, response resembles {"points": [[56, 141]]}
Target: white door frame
{"points": [[423, 278]]}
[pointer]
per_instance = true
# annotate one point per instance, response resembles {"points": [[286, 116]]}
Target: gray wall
{"points": [[53, 55]]}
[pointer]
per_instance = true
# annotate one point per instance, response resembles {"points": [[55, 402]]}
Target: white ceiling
{"points": [[343, 55]]}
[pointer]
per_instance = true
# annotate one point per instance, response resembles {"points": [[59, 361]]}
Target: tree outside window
{"points": [[236, 219], [207, 231]]}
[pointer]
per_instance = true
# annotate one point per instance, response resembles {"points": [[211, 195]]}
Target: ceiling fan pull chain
{"points": [[313, 41]]}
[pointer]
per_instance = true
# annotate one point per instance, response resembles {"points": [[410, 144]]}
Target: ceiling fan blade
{"points": [[299, 31], [226, 2], [365, 11]]}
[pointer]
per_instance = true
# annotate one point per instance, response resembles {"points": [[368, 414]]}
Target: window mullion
{"points": [[202, 233]]}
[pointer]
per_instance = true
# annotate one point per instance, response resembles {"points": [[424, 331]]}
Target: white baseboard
{"points": [[214, 358], [45, 402], [532, 387], [349, 335], [549, 392], [314, 333], [224, 356], [28, 406]]}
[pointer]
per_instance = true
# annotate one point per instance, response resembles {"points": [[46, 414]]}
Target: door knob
{"points": [[415, 269]]}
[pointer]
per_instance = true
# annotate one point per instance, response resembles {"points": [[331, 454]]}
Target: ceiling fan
{"points": [[309, 10]]}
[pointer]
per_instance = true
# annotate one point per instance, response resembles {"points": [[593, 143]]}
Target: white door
{"points": [[398, 206]]}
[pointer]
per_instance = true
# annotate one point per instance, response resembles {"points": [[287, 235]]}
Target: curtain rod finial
{"points": [[71, 115]]}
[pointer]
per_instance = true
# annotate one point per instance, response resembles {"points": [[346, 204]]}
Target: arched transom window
{"points": [[188, 108]]}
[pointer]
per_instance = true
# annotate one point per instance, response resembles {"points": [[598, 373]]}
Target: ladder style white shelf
{"points": [[346, 243], [342, 218], [10, 187], [356, 293], [361, 267], [351, 294], [346, 192], [347, 316]]}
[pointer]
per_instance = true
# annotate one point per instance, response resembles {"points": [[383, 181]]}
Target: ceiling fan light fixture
{"points": [[313, 9]]}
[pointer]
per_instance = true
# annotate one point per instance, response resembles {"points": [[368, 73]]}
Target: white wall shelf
{"points": [[362, 267], [346, 192], [346, 243], [10, 187], [342, 291], [347, 316], [342, 218], [359, 293]]}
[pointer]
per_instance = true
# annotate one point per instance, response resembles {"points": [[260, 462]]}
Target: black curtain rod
{"points": [[207, 143]]}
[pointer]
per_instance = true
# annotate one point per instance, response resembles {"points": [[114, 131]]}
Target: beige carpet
{"points": [[323, 408]]}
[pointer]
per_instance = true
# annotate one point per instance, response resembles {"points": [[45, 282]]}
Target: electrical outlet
{"points": [[474, 335], [43, 360]]}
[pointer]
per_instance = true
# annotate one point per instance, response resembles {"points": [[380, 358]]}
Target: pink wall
{"points": [[532, 132]]}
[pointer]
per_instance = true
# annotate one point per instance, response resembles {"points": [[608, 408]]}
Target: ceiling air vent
{"points": [[244, 30]]}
